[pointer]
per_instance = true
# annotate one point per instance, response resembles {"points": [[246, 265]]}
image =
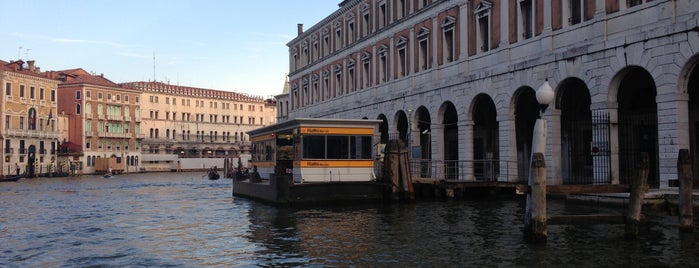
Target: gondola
{"points": [[213, 175], [12, 178]]}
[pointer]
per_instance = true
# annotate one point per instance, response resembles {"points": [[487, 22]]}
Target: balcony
{"points": [[115, 117], [114, 135], [9, 150], [35, 134], [101, 116]]}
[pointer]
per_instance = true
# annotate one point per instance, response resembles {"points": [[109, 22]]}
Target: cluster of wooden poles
{"points": [[536, 219]]}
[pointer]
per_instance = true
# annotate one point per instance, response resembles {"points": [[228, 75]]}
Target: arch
{"points": [[573, 99], [422, 122], [449, 119], [401, 125], [526, 111], [485, 138], [383, 128], [638, 121], [690, 86]]}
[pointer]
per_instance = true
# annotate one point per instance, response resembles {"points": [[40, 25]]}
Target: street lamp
{"points": [[535, 215], [544, 96]]}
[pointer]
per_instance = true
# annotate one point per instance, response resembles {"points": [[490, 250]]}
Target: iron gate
{"points": [[588, 153]]}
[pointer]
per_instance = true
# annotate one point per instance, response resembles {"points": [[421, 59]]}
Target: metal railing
{"points": [[463, 170]]}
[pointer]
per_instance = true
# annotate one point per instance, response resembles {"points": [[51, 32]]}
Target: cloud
{"points": [[86, 41]]}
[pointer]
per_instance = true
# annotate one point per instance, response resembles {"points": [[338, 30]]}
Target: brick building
{"points": [[104, 121]]}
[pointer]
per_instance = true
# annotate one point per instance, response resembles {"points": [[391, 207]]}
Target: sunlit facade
{"points": [[28, 106], [104, 121], [189, 122]]}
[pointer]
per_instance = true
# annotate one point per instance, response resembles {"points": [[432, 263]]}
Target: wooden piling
{"points": [[535, 218], [639, 186], [398, 169], [685, 176]]}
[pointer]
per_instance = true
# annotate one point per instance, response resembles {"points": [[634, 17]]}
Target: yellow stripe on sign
{"points": [[337, 130], [262, 164], [333, 163], [262, 138]]}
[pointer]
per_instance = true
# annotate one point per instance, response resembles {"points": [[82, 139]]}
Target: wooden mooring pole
{"points": [[639, 186], [535, 216], [684, 173]]}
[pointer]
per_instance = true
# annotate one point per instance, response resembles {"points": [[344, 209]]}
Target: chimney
{"points": [[31, 65], [300, 28]]}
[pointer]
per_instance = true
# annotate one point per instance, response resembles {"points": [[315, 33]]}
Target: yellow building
{"points": [[30, 133], [196, 124]]}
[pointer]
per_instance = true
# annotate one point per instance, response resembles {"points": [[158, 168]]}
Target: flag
{"points": [[50, 116]]}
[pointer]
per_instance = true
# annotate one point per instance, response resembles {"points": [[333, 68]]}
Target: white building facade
{"points": [[457, 80]]}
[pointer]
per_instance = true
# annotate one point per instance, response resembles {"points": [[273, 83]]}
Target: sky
{"points": [[230, 45]]}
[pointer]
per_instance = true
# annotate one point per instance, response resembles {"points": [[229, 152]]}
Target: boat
{"points": [[12, 178], [312, 160], [213, 175], [107, 176]]}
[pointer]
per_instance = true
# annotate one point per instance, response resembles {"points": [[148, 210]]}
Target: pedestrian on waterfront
{"points": [[17, 168]]}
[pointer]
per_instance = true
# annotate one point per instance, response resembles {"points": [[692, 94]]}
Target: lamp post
{"points": [[535, 215]]}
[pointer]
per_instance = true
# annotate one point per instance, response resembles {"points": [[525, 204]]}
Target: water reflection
{"points": [[183, 220]]}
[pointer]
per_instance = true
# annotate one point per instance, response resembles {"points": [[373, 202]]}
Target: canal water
{"points": [[185, 220]]}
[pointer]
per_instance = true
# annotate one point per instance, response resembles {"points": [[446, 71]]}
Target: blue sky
{"points": [[228, 45]]}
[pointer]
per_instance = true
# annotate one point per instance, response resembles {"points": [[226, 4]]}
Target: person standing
{"points": [[17, 168]]}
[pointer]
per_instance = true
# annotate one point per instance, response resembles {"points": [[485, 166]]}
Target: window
{"points": [[366, 26], [350, 32], [77, 108], [448, 42], [338, 81], [401, 9], [338, 37], [21, 91], [366, 68], [402, 60], [482, 13], [53, 96], [526, 18], [41, 93], [633, 3], [383, 64], [99, 95], [8, 89], [77, 95], [350, 77], [32, 92], [422, 3], [423, 52], [326, 85], [7, 123], [316, 91], [382, 15]]}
